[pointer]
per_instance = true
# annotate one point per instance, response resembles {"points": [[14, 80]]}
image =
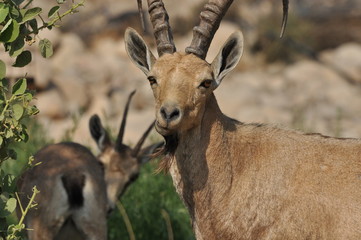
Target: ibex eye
{"points": [[206, 83], [152, 80]]}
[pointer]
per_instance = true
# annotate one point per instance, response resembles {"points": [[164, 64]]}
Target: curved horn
{"points": [[124, 120], [210, 18], [162, 32], [140, 10], [137, 147], [285, 17]]}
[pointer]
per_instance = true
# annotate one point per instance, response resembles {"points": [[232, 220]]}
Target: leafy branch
{"points": [[54, 14], [18, 28], [14, 230]]}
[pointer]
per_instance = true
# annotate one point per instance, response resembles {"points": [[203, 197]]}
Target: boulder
{"points": [[346, 59], [51, 104]]}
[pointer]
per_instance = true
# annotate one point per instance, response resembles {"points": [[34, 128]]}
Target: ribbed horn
{"points": [[137, 147], [285, 17], [141, 15], [124, 120], [162, 31], [210, 18]]}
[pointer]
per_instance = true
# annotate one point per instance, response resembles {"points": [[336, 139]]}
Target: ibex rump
{"points": [[77, 189], [242, 181]]}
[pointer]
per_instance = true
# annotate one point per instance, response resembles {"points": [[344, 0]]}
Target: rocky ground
{"points": [[313, 86]]}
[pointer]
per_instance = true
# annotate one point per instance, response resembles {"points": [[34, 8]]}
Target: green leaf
{"points": [[18, 2], [18, 111], [8, 23], [19, 87], [10, 31], [14, 124], [3, 199], [2, 69], [4, 11], [23, 59], [53, 11], [16, 47], [8, 208], [27, 97], [31, 13], [12, 154], [34, 25], [1, 140], [4, 83], [15, 12], [24, 136], [33, 110], [22, 14], [9, 134], [46, 48], [9, 183]]}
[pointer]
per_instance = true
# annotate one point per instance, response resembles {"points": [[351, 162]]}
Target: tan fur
{"points": [[251, 181], [172, 71], [259, 182], [97, 183], [53, 208]]}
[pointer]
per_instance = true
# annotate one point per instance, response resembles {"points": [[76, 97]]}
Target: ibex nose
{"points": [[169, 113]]}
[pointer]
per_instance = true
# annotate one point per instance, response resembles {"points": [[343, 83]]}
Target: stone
{"points": [[345, 59], [51, 104]]}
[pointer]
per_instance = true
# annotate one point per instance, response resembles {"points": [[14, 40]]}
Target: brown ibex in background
{"points": [[242, 181], [77, 189]]}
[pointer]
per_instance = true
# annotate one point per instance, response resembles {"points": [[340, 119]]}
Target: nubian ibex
{"points": [[238, 180], [77, 189]]}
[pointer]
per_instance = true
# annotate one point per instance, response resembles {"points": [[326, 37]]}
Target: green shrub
{"points": [[145, 201], [148, 202], [15, 109], [18, 27]]}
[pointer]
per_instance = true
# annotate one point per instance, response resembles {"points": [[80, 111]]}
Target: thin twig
{"points": [[59, 17], [166, 217], [21, 206], [127, 222], [26, 5]]}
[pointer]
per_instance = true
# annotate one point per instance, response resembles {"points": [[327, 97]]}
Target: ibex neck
{"points": [[212, 128], [200, 159], [207, 135]]}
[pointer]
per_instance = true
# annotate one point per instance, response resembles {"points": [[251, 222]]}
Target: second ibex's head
{"points": [[182, 82], [121, 162]]}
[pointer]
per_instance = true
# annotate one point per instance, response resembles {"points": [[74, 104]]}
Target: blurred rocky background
{"points": [[309, 80]]}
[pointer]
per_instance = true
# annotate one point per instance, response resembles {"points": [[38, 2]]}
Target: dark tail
{"points": [[73, 183]]}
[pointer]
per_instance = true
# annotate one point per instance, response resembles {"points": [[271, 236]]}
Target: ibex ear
{"points": [[228, 56], [98, 133], [138, 51]]}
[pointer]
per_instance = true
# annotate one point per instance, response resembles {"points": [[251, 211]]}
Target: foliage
{"points": [[154, 209], [18, 26], [147, 201], [15, 108]]}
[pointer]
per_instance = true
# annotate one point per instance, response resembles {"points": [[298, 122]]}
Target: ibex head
{"points": [[121, 162], [182, 82]]}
